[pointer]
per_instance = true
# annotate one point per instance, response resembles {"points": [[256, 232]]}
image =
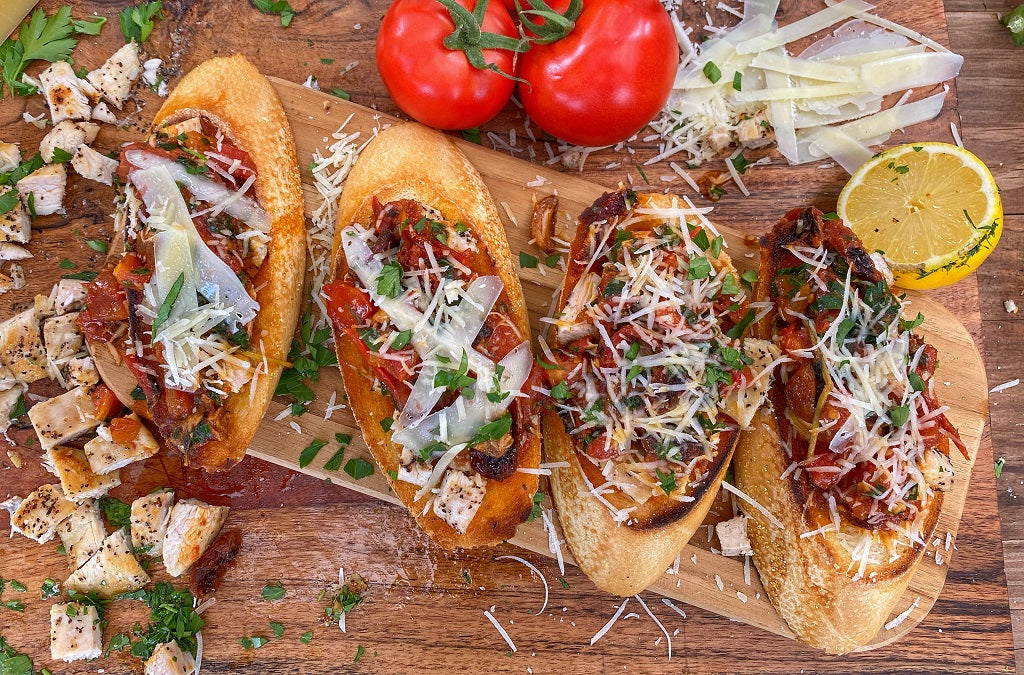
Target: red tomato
{"points": [[124, 429], [132, 271], [436, 85], [104, 402], [348, 305], [608, 78]]}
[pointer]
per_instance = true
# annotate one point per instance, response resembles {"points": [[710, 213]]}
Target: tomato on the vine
{"points": [[434, 84], [607, 78]]}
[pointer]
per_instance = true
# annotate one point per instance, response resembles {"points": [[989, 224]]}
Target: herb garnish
{"points": [[309, 453], [358, 468], [137, 21], [272, 593]]}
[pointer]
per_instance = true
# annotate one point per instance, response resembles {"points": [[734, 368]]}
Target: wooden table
{"points": [[425, 609]]}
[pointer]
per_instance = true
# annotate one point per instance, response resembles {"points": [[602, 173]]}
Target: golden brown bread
{"points": [[231, 93], [827, 599], [809, 579], [624, 558], [409, 161]]}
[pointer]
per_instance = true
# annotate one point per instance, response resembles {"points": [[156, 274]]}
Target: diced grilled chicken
{"points": [[15, 225], [17, 275], [8, 399], [193, 526], [460, 496], [169, 659], [6, 283], [75, 632], [568, 328], [114, 78], [77, 479], [101, 113], [106, 455], [21, 347], [112, 571], [732, 534], [69, 296], [67, 136], [411, 471], [63, 418], [10, 156], [150, 516], [7, 379], [81, 373], [46, 185], [83, 533], [754, 132], [10, 251], [38, 516], [69, 97], [62, 340], [94, 165], [937, 470]]}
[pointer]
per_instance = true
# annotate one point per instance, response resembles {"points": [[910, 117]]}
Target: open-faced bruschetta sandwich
{"points": [[432, 337], [202, 303], [853, 455], [650, 384]]}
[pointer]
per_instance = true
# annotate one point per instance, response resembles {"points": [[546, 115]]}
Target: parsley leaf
{"points": [[278, 629], [164, 312], [171, 616], [137, 21], [899, 415], [667, 480], [272, 593], [309, 453], [700, 268], [538, 499], [1014, 22], [279, 7], [527, 261], [915, 381], [89, 26], [40, 38], [117, 513], [560, 391], [493, 431], [19, 408], [712, 72], [61, 156], [98, 245], [472, 135], [389, 282], [307, 637], [358, 468]]}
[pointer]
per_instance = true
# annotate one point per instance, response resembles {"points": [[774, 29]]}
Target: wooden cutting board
{"points": [[703, 579]]}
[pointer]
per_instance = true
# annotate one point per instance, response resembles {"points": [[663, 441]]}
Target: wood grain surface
{"points": [[422, 612]]}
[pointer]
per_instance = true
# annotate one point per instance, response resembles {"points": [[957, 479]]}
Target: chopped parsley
{"points": [[309, 453], [272, 593], [565, 584], [19, 408], [387, 423], [61, 156], [172, 617], [666, 480], [342, 94], [117, 513], [164, 312], [899, 415], [712, 72], [699, 268], [254, 642], [493, 431], [50, 588], [560, 391], [739, 162], [737, 81], [527, 261], [359, 653], [358, 468], [278, 629], [334, 463], [118, 643], [137, 21], [843, 331], [538, 499], [66, 264], [915, 381], [736, 331], [389, 282], [280, 7], [999, 464], [307, 637], [308, 354], [614, 287], [472, 135], [401, 340]]}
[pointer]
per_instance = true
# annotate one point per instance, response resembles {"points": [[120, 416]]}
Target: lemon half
{"points": [[932, 209]]}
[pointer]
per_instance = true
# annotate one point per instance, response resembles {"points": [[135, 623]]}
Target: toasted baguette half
{"points": [[624, 542], [232, 95], [412, 162], [832, 599]]}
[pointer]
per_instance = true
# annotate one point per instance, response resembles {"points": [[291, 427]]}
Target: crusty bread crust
{"points": [[233, 94], [625, 558], [810, 580], [410, 161], [238, 100]]}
